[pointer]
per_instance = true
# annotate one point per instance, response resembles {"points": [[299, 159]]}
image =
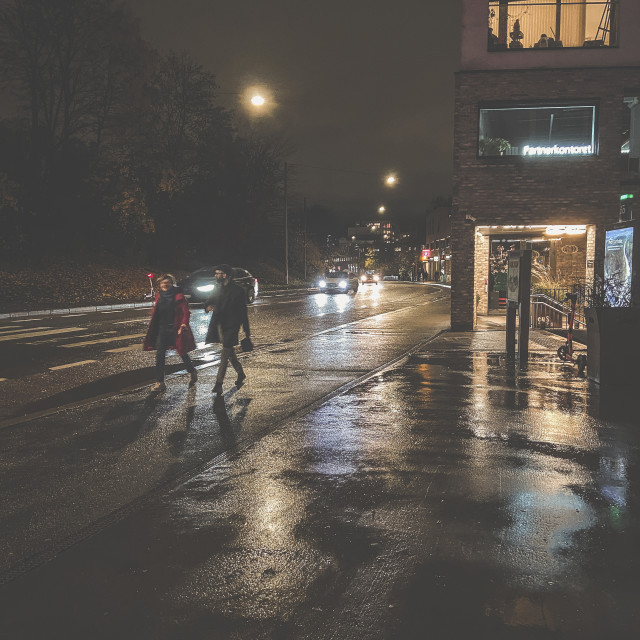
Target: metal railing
{"points": [[550, 313]]}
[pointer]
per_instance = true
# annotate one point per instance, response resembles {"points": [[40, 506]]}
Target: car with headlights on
{"points": [[369, 278], [198, 286], [338, 282]]}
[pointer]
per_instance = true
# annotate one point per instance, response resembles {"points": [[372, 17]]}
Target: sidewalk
{"points": [[454, 496]]}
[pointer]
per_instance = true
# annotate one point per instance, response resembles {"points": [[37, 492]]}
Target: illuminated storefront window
{"points": [[538, 131]]}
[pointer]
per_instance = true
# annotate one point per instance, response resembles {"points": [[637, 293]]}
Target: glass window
{"points": [[545, 24], [630, 143], [545, 130]]}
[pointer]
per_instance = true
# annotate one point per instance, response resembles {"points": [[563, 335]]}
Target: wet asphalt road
{"points": [[57, 360], [64, 472], [448, 496]]}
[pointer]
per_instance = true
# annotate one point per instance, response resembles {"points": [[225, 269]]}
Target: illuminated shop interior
{"points": [[552, 24], [559, 257]]}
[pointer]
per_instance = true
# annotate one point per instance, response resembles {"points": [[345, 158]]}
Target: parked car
{"points": [[369, 278], [338, 282], [197, 286]]}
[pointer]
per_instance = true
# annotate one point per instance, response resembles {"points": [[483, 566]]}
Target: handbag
{"points": [[246, 344]]}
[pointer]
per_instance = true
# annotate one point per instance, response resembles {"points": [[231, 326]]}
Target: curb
{"points": [[66, 311]]}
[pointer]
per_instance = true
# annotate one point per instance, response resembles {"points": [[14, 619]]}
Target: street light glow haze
{"points": [[339, 98]]}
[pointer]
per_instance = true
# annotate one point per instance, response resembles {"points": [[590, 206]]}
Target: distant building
{"points": [[546, 141], [378, 238], [378, 233]]}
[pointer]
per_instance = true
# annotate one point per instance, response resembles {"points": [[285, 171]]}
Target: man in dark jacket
{"points": [[229, 306]]}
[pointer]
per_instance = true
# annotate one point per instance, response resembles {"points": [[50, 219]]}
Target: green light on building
{"points": [[627, 196]]}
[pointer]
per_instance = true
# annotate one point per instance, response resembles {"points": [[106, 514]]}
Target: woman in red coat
{"points": [[169, 329]]}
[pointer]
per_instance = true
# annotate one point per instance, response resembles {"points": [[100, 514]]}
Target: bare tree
{"points": [[71, 65]]}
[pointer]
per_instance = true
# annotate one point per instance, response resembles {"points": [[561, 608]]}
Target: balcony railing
{"points": [[552, 24]]}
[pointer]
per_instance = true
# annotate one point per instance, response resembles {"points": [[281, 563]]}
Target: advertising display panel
{"points": [[618, 266], [513, 278]]}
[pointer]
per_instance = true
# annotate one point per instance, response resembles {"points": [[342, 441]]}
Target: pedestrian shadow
{"points": [[120, 426], [230, 425], [177, 439]]}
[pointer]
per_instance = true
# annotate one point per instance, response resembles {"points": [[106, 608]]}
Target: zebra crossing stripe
{"points": [[26, 334], [103, 340], [72, 364]]}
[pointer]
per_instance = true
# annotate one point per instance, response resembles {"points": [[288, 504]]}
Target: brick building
{"points": [[546, 140]]}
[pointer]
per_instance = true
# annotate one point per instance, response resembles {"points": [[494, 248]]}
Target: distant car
{"points": [[338, 282], [369, 278], [197, 286]]}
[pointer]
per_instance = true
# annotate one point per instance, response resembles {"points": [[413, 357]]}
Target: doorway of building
{"points": [[558, 264]]}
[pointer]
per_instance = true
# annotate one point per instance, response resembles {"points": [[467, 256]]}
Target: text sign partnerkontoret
{"points": [[556, 150]]}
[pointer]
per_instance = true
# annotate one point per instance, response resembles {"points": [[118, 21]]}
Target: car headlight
{"points": [[376, 278], [364, 278], [343, 284], [322, 284], [205, 288]]}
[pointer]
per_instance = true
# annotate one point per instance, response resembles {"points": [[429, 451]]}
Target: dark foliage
{"points": [[114, 146]]}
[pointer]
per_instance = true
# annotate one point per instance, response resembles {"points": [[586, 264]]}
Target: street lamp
{"points": [[250, 98], [391, 180], [381, 209]]}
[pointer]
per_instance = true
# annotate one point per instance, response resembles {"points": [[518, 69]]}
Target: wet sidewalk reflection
{"points": [[451, 497]]}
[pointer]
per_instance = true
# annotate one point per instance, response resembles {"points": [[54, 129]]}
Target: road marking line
{"points": [[29, 320], [74, 315], [7, 330], [73, 364], [103, 340], [131, 347], [25, 334], [57, 339], [116, 311]]}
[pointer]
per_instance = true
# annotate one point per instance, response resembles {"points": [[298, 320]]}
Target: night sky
{"points": [[361, 87]]}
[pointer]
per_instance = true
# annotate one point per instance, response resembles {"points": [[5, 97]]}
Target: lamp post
{"points": [[255, 97], [286, 226], [304, 236], [390, 180]]}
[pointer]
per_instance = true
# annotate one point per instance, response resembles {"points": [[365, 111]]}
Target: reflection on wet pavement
{"points": [[452, 497]]}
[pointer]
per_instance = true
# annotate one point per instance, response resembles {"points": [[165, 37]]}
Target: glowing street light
{"points": [[381, 209], [391, 180], [251, 97]]}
